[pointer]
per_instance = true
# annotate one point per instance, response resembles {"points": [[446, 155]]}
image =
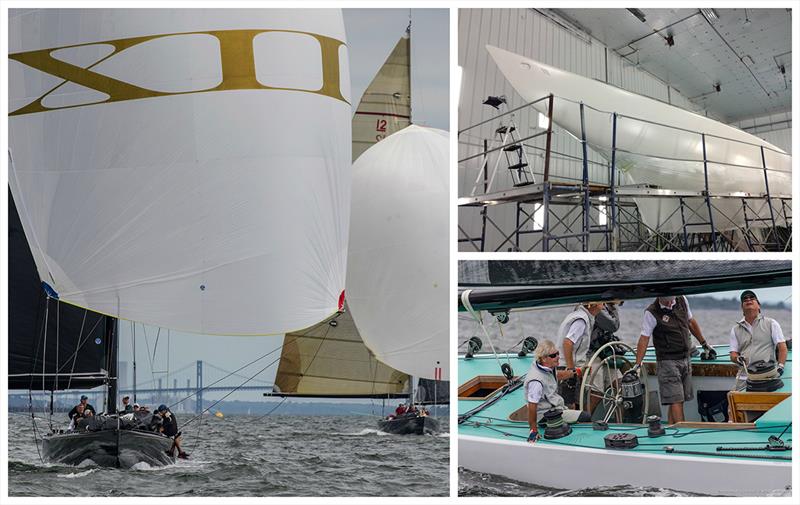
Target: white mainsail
{"points": [[385, 106], [397, 277], [665, 150], [185, 168]]}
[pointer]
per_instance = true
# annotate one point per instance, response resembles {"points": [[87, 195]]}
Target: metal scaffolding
{"points": [[557, 214]]}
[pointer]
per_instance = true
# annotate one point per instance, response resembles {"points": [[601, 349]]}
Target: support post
{"points": [[613, 183], [769, 198], [585, 180], [708, 196], [549, 138]]}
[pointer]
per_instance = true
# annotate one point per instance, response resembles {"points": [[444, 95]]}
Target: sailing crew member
{"points": [[169, 427], [606, 323], [669, 321], [400, 410], [87, 407], [126, 406], [756, 338], [77, 416], [541, 389], [574, 335]]}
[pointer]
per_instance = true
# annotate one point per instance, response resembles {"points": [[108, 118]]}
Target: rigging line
{"points": [[230, 392], [231, 373], [149, 359], [155, 344], [273, 409], [58, 337], [77, 348], [44, 351], [467, 305], [33, 422]]}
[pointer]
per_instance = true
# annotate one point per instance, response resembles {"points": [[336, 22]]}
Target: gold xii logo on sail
{"points": [[236, 56]]}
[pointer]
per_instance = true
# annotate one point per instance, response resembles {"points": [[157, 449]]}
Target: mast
{"points": [[112, 345], [133, 336]]}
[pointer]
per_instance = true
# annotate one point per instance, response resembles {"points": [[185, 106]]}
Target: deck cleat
{"points": [[621, 441]]}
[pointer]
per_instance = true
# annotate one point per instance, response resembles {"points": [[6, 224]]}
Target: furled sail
{"points": [[385, 106], [397, 275], [70, 353], [659, 144], [187, 168], [330, 359]]}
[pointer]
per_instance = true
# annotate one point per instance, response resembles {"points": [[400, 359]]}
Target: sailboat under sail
{"points": [[385, 107], [146, 189]]}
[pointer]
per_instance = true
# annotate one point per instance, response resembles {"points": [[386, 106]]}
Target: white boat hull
{"points": [[669, 154], [566, 467]]}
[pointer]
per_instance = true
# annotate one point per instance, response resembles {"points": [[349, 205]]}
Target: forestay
{"points": [[330, 359], [385, 106], [397, 279], [188, 169]]}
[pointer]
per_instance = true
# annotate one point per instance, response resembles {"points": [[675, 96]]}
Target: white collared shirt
{"points": [[777, 334], [535, 387]]}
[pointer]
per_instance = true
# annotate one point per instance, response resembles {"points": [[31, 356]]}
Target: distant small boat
{"points": [[219, 414], [409, 424]]}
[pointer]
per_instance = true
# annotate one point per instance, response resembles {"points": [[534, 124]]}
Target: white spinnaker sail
{"points": [[648, 153], [190, 168], [385, 106], [397, 277]]}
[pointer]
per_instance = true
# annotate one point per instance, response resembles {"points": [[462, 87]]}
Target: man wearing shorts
{"points": [[669, 321]]}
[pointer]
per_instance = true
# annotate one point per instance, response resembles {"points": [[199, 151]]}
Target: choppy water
{"points": [[485, 484], [239, 456]]}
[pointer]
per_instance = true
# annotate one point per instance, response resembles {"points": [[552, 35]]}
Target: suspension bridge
{"points": [[189, 384]]}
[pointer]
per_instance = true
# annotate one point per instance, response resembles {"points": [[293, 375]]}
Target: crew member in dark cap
{"points": [[756, 338], [169, 427], [87, 407]]}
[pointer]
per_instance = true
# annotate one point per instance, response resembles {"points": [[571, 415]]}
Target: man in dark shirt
{"points": [[87, 407], [169, 427]]}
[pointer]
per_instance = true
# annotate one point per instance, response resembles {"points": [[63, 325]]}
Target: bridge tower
{"points": [[199, 397]]}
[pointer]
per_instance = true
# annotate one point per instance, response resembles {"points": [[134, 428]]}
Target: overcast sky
{"points": [[371, 36]]}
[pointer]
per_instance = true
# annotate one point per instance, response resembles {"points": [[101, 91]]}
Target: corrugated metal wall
{"points": [[774, 128]]}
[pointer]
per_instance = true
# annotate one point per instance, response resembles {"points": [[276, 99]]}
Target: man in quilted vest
{"points": [[756, 338], [669, 321]]}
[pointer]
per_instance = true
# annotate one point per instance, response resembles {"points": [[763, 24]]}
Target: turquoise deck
{"points": [[493, 421]]}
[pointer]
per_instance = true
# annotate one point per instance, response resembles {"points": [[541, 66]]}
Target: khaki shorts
{"points": [[675, 380]]}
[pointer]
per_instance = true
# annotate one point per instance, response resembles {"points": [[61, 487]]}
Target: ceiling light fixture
{"points": [[710, 14], [639, 14]]}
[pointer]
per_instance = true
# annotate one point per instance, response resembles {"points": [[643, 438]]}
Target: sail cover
{"points": [[385, 106], [184, 168], [330, 359], [74, 342], [661, 145], [397, 274], [499, 285]]}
